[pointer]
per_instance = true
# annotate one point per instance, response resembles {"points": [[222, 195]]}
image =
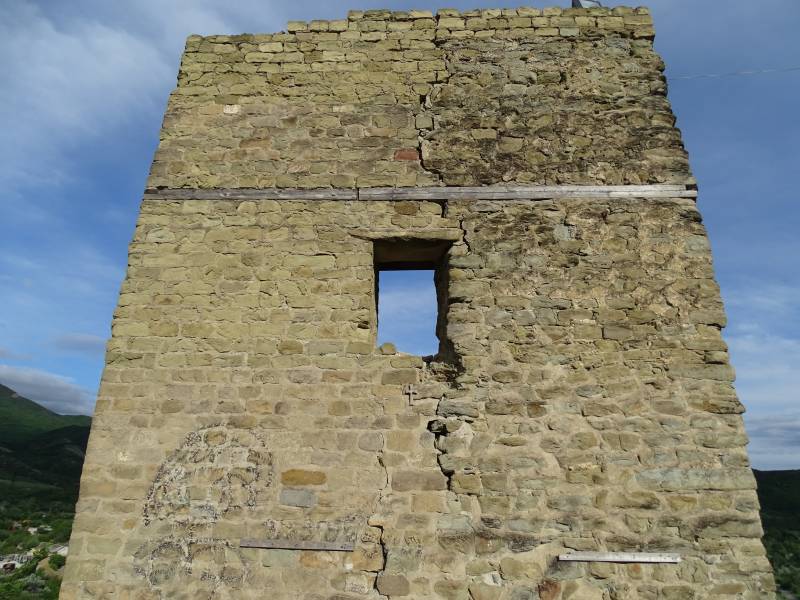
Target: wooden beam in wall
{"points": [[493, 192]]}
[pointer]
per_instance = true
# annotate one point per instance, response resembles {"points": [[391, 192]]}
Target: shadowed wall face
{"points": [[581, 398]]}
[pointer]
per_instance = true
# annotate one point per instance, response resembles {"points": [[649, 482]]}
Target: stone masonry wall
{"points": [[591, 408], [403, 99], [583, 400]]}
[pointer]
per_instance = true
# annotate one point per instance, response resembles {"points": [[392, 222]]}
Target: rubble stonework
{"points": [[582, 398], [401, 99]]}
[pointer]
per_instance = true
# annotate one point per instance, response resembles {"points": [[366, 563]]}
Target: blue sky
{"points": [[83, 85]]}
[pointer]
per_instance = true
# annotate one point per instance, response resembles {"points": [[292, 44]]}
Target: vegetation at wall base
{"points": [[779, 494], [41, 456], [26, 583], [49, 509]]}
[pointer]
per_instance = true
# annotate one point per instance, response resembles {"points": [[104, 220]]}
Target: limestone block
{"points": [[301, 477], [392, 585], [418, 480], [300, 498]]}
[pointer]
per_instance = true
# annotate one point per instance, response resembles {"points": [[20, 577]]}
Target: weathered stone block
{"points": [[675, 479], [482, 591], [303, 477], [392, 585], [300, 498], [399, 377], [405, 481]]}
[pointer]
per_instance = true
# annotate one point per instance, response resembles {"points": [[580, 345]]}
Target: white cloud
{"points": [[407, 313], [765, 350], [775, 441], [765, 346], [59, 394], [78, 71], [771, 300], [62, 86], [81, 343]]}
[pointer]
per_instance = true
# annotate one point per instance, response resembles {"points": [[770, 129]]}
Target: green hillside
{"points": [[21, 419], [39, 446], [41, 457], [54, 457], [779, 494]]}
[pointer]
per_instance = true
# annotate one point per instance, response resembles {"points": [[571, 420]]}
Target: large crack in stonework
{"points": [[464, 235], [457, 424], [451, 367], [384, 559], [453, 434], [425, 119], [376, 521], [425, 124]]}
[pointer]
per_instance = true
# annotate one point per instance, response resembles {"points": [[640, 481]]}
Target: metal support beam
{"points": [[285, 544], [621, 557]]}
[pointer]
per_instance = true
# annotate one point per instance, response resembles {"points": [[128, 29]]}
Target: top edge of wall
{"points": [[444, 18]]}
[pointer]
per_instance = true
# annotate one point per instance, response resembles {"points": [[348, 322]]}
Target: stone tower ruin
{"points": [[576, 437]]}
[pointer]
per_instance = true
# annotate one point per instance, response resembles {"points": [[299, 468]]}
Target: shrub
{"points": [[56, 561]]}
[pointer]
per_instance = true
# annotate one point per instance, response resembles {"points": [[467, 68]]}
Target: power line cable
{"points": [[736, 73]]}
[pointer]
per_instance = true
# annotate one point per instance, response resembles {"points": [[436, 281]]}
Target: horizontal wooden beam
{"points": [[491, 192], [250, 194], [621, 557], [287, 544], [527, 192]]}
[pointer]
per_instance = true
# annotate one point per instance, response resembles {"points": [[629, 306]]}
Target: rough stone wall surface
{"points": [[592, 409], [403, 99], [584, 400]]}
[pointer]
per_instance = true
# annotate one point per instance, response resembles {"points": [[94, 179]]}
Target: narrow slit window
{"points": [[410, 292]]}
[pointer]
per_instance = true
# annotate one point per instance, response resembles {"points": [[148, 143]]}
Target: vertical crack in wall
{"points": [[385, 558], [427, 118], [426, 105], [438, 428], [378, 524], [464, 236]]}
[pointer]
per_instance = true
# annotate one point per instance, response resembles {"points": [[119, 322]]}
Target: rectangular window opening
{"points": [[411, 280]]}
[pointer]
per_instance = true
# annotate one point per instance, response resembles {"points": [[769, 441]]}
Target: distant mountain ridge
{"points": [[21, 418], [40, 446]]}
